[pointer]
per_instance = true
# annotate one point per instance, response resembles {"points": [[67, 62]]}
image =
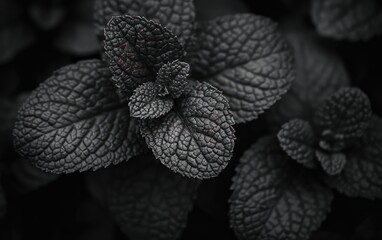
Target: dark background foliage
{"points": [[66, 208]]}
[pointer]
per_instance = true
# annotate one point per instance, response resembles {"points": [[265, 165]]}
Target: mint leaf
{"points": [[196, 137], [319, 73], [362, 174], [332, 163], [272, 198], [137, 49], [75, 121], [247, 58], [173, 78], [347, 19], [177, 15], [297, 139], [342, 118], [149, 201], [145, 102]]}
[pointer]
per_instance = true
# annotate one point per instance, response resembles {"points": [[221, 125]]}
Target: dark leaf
{"points": [[77, 38], [247, 58], [332, 163], [196, 137], [137, 49], [272, 199], [173, 78], [150, 201], [347, 19], [342, 118], [319, 73], [176, 15], [75, 121], [362, 175], [145, 102], [297, 139]]}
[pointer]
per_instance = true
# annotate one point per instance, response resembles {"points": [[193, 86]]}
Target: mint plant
{"points": [[287, 181], [75, 121]]}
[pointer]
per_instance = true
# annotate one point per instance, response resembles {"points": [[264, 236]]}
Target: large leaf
{"points": [[137, 49], [75, 121], [362, 174], [149, 201], [273, 197], [342, 118], [297, 139], [196, 137], [176, 15], [145, 102], [319, 73], [247, 58], [347, 19]]}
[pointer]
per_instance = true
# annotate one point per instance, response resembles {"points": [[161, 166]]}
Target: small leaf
{"points": [[246, 57], [342, 118], [145, 102], [319, 73], [150, 201], [297, 139], [137, 49], [176, 15], [273, 199], [362, 175], [173, 77], [347, 19], [74, 121], [196, 137], [332, 163]]}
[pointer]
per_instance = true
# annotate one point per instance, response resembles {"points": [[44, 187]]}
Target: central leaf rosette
{"points": [[186, 123]]}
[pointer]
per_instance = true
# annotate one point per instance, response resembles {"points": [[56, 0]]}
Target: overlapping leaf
{"points": [[137, 49], [247, 58], [75, 121], [172, 77], [149, 201], [362, 174], [342, 118], [146, 102], [176, 15], [272, 199], [347, 19], [319, 73], [196, 137], [332, 163], [297, 139]]}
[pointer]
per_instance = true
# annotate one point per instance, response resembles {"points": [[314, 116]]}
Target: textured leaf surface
{"points": [[149, 201], [247, 58], [272, 199], [75, 121], [347, 19], [362, 175], [137, 49], [332, 163], [319, 73], [196, 138], [297, 139], [145, 102], [342, 117], [173, 78], [176, 15]]}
